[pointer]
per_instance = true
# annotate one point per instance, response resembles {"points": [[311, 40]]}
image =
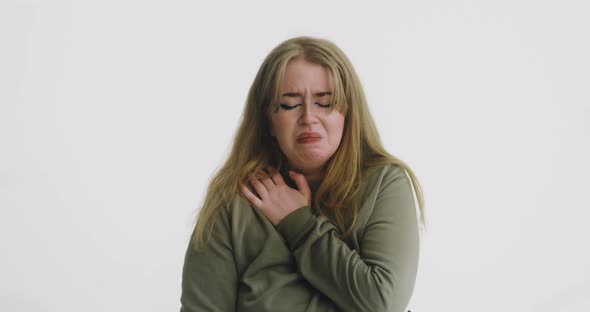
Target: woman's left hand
{"points": [[276, 199]]}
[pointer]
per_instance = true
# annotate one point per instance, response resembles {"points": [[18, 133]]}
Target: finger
{"points": [[250, 196], [301, 183], [278, 178], [267, 182], [275, 175], [259, 188]]}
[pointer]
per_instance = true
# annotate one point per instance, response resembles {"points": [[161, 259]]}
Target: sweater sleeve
{"points": [[378, 277], [209, 277]]}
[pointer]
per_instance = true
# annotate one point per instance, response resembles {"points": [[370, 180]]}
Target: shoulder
{"points": [[389, 183], [236, 205], [241, 212], [385, 174]]}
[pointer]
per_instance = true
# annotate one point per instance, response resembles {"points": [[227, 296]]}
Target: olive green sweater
{"points": [[302, 264]]}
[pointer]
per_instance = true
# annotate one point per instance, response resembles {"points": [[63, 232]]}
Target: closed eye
{"points": [[289, 107]]}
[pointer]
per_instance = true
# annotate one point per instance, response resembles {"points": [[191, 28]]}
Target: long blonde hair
{"points": [[254, 149]]}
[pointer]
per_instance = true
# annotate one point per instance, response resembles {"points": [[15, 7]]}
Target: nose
{"points": [[308, 113]]}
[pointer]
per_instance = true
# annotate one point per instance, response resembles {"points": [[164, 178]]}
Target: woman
{"points": [[309, 212]]}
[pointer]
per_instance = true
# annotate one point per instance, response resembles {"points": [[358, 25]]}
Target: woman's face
{"points": [[306, 127]]}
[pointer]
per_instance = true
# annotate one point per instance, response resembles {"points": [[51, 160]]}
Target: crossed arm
{"points": [[378, 277]]}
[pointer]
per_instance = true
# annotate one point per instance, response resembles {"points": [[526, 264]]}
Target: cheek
{"points": [[337, 126], [280, 126]]}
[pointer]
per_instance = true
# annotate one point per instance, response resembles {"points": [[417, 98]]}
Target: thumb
{"points": [[301, 183]]}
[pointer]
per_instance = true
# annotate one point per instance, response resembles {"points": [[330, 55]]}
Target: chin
{"points": [[313, 157]]}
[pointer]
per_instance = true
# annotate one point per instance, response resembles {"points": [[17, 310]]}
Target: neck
{"points": [[313, 178]]}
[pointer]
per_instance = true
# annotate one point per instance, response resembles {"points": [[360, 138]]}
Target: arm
{"points": [[381, 276], [209, 278]]}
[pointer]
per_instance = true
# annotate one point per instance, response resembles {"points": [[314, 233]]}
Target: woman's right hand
{"points": [[275, 198]]}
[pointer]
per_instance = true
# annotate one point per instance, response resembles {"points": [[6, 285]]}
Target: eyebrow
{"points": [[297, 94]]}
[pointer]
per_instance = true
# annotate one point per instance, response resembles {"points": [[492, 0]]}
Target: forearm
{"points": [[378, 277]]}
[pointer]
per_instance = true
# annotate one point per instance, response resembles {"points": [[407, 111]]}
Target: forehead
{"points": [[301, 75]]}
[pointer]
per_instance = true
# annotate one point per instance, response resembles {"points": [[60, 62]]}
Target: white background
{"points": [[115, 114]]}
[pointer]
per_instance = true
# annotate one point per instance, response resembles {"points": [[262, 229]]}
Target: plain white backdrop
{"points": [[115, 114]]}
